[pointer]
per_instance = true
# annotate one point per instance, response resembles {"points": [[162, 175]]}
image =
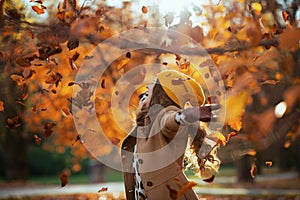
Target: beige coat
{"points": [[168, 140]]}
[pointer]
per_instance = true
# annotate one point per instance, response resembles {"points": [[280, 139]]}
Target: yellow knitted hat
{"points": [[181, 88]]}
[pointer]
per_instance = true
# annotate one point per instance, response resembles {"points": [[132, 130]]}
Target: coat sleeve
{"points": [[169, 126]]}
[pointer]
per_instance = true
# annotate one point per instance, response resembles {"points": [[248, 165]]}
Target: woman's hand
{"points": [[200, 113]]}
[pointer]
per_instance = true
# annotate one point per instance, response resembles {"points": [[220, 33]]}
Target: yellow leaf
{"points": [[235, 105], [217, 137], [235, 123], [257, 7]]}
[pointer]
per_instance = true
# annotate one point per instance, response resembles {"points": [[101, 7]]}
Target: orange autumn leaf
{"points": [[13, 122], [37, 139], [251, 152], [1, 106], [144, 9], [269, 163], [253, 170], [17, 78], [103, 189], [231, 134], [186, 187], [38, 10], [289, 38], [64, 177]]}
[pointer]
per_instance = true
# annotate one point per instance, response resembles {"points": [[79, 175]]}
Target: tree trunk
{"points": [[13, 140]]}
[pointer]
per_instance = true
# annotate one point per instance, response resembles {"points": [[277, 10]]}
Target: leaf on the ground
{"points": [[186, 187], [64, 177], [13, 122], [210, 179], [37, 139], [1, 106], [103, 189], [269, 163], [253, 170], [39, 10]]}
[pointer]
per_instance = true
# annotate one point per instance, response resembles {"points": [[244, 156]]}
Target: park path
{"points": [[117, 187]]}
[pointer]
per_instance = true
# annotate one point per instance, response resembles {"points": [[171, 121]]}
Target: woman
{"points": [[153, 153]]}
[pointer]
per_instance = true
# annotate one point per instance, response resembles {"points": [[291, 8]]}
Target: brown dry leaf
{"points": [[13, 122], [186, 187], [72, 43], [64, 177], [289, 38], [210, 179], [39, 10], [1, 106], [48, 129], [37, 139], [269, 163], [54, 78], [253, 170], [103, 189]]}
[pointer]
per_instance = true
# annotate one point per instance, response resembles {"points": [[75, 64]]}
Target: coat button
{"points": [[149, 184], [140, 161]]}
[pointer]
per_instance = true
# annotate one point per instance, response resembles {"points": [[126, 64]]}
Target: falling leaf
{"points": [[144, 9], [1, 106], [231, 134], [271, 82], [253, 170], [39, 10], [287, 144], [64, 177], [13, 122], [210, 179], [285, 16], [54, 78], [71, 83], [17, 78], [251, 152], [73, 43], [257, 7], [217, 137], [103, 189], [235, 105], [186, 187], [172, 192], [48, 129], [269, 163], [37, 139]]}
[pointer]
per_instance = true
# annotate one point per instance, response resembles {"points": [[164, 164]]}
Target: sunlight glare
{"points": [[280, 109]]}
